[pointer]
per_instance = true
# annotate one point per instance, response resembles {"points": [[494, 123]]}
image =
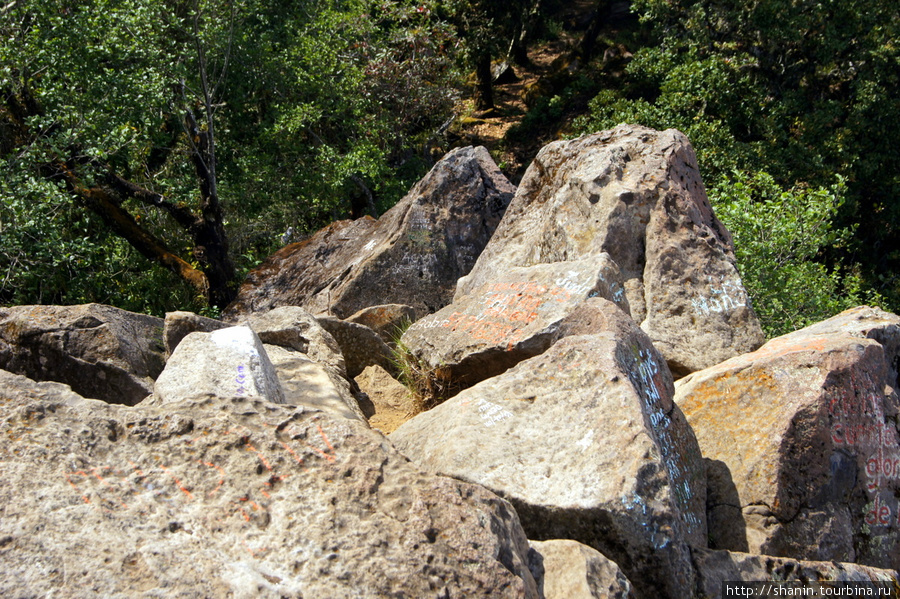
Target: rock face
{"points": [[716, 567], [388, 320], [392, 403], [802, 439], [226, 362], [587, 444], [360, 345], [234, 497], [102, 352], [576, 571], [636, 194], [412, 255], [514, 317]]}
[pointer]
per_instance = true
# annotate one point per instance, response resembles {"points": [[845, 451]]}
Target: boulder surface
{"points": [[234, 497], [226, 362], [100, 351], [587, 444], [412, 255], [636, 194], [802, 441], [516, 316]]}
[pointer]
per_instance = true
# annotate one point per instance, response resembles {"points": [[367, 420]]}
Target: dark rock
{"points": [[412, 255], [100, 351]]}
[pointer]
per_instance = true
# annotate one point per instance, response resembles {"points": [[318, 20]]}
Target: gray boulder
{"points": [[412, 255], [388, 320], [234, 497], [226, 362], [100, 351], [587, 444], [360, 345], [637, 195]]}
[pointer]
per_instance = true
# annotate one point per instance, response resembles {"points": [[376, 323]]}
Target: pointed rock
{"points": [[636, 194], [226, 362], [412, 255]]}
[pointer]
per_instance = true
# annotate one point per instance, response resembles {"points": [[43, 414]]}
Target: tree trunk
{"points": [[484, 93]]}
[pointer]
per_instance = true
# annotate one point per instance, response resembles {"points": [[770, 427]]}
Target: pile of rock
{"points": [[187, 456]]}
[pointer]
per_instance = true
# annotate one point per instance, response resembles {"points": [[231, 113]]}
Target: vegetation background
{"points": [[149, 145]]}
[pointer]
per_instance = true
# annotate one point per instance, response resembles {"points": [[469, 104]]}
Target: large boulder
{"points": [[234, 497], [587, 444], [226, 362], [100, 351], [517, 315], [412, 255], [636, 194], [802, 441]]}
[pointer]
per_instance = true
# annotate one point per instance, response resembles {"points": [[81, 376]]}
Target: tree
{"points": [[167, 123], [87, 88], [787, 92]]}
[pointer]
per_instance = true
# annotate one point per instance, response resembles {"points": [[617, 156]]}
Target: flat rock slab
{"points": [[102, 352], [636, 194], [234, 497], [514, 317], [412, 255], [226, 362], [797, 577], [587, 444], [802, 441]]}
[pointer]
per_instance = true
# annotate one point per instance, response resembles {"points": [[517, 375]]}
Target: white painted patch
{"points": [[586, 441], [241, 339]]}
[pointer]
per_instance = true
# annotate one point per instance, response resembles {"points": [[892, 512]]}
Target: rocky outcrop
{"points": [[636, 194], [587, 444], [100, 351], [226, 362], [412, 255], [575, 571], [518, 315], [795, 578], [234, 497], [802, 440]]}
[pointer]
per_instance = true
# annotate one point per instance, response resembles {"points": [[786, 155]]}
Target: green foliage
{"points": [[791, 94], [779, 235], [321, 109]]}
